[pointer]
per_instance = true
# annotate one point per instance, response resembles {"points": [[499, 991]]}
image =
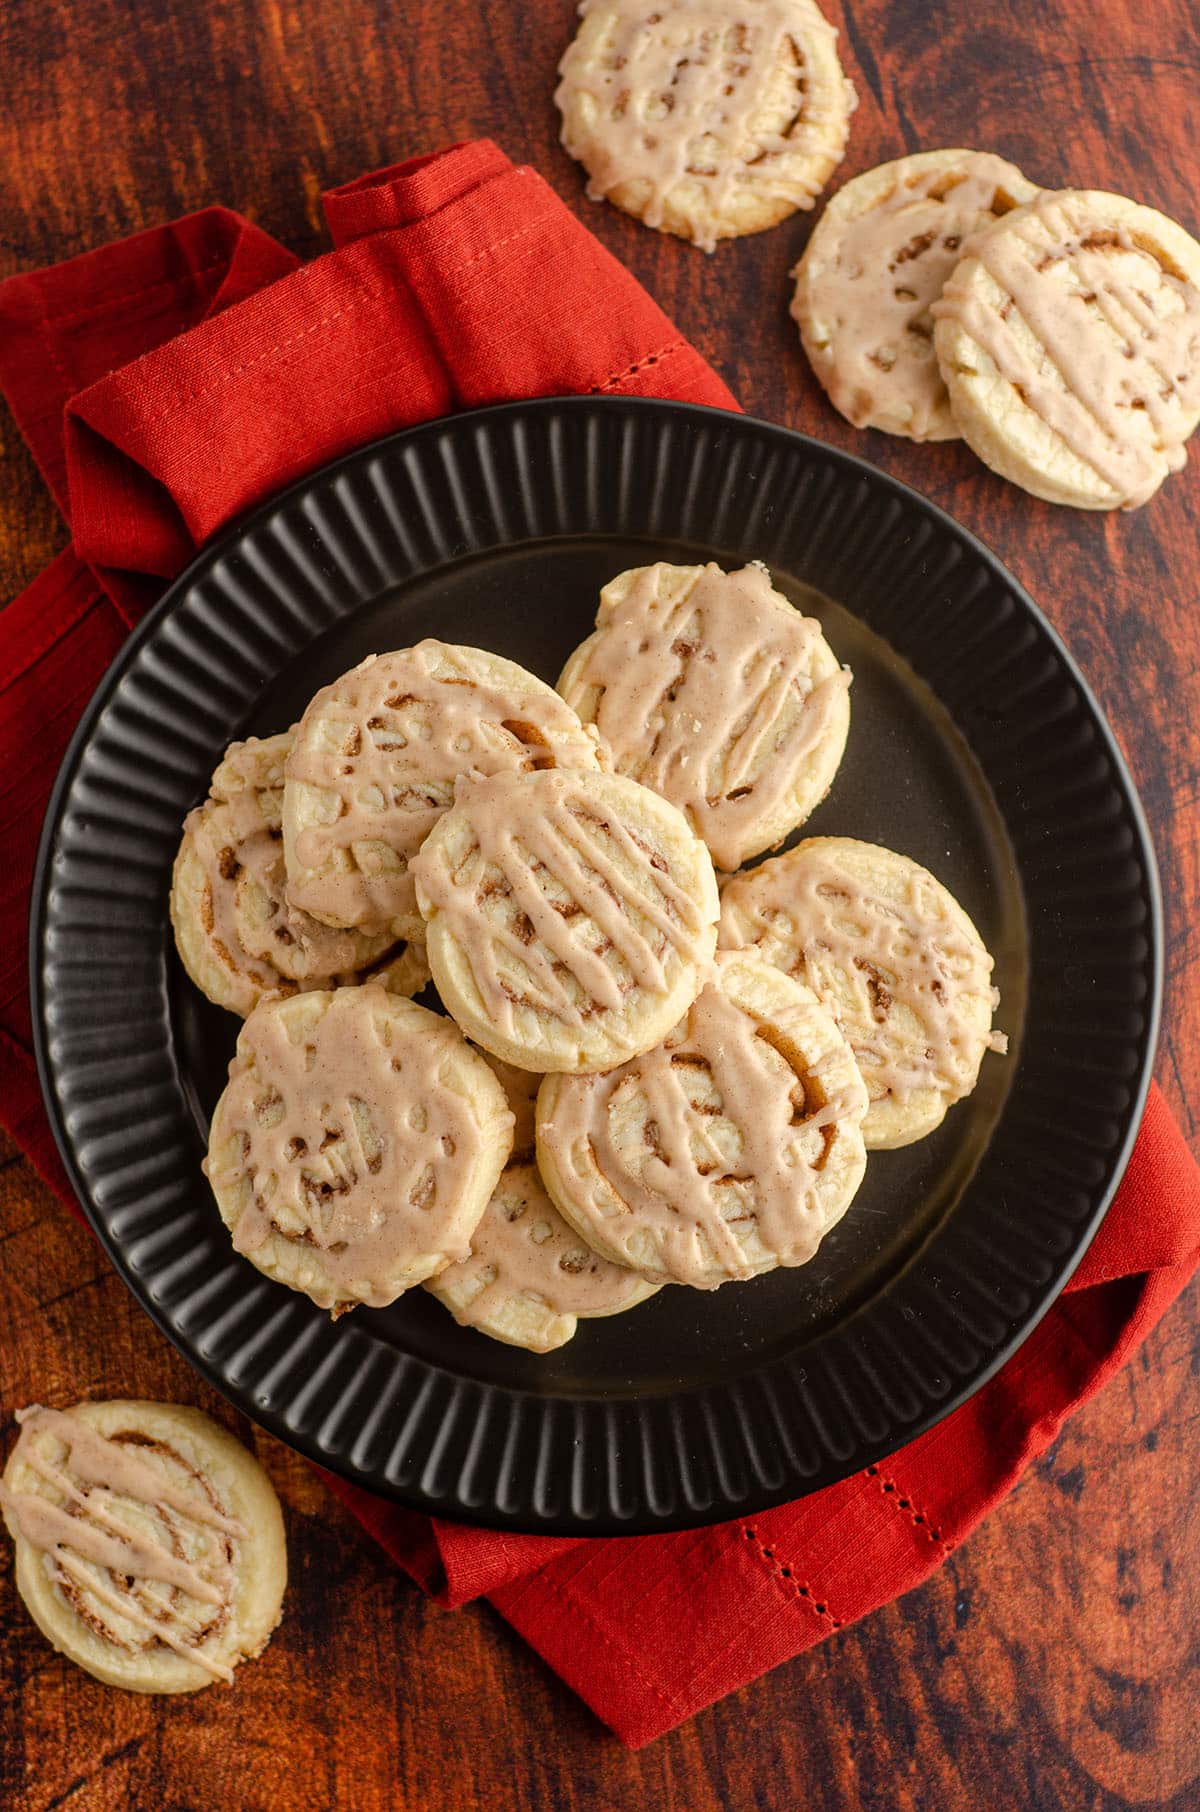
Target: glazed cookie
{"points": [[729, 1150], [706, 121], [895, 958], [236, 937], [710, 688], [877, 260], [1069, 340], [530, 1277], [356, 1144], [374, 763], [520, 1088], [570, 916], [149, 1543]]}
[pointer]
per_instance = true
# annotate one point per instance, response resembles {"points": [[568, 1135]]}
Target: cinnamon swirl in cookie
{"points": [[708, 121], [713, 690], [570, 916], [728, 1150], [896, 959], [1069, 340], [356, 1144], [149, 1543], [236, 936], [374, 762]]}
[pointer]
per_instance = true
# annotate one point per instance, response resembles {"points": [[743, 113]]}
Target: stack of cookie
{"points": [[941, 295], [1056, 331], [630, 1084]]}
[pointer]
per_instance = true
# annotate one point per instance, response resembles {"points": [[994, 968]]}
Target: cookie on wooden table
{"points": [[707, 121], [570, 917], [710, 688], [895, 958], [876, 262], [375, 759], [729, 1150], [1069, 340], [356, 1144], [149, 1543]]}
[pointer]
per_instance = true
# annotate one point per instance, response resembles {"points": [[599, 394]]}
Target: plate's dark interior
{"points": [[973, 748]]}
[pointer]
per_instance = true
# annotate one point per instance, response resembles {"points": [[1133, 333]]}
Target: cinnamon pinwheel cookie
{"points": [[705, 121], [1069, 340], [356, 1144], [149, 1543], [713, 690], [875, 264], [529, 1276], [728, 1150], [896, 959], [570, 916], [236, 936], [374, 762]]}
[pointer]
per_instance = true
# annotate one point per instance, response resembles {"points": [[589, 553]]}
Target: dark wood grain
{"points": [[1052, 1662]]}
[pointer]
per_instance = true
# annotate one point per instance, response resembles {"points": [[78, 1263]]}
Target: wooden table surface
{"points": [[1052, 1662]]}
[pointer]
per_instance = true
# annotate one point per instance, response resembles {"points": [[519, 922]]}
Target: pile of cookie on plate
{"points": [[639, 1078]]}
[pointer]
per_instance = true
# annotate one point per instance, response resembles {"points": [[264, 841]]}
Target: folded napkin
{"points": [[167, 383]]}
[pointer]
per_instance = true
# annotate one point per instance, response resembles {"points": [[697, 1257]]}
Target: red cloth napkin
{"points": [[168, 382]]}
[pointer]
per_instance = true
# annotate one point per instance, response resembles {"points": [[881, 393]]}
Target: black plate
{"points": [[974, 746]]}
